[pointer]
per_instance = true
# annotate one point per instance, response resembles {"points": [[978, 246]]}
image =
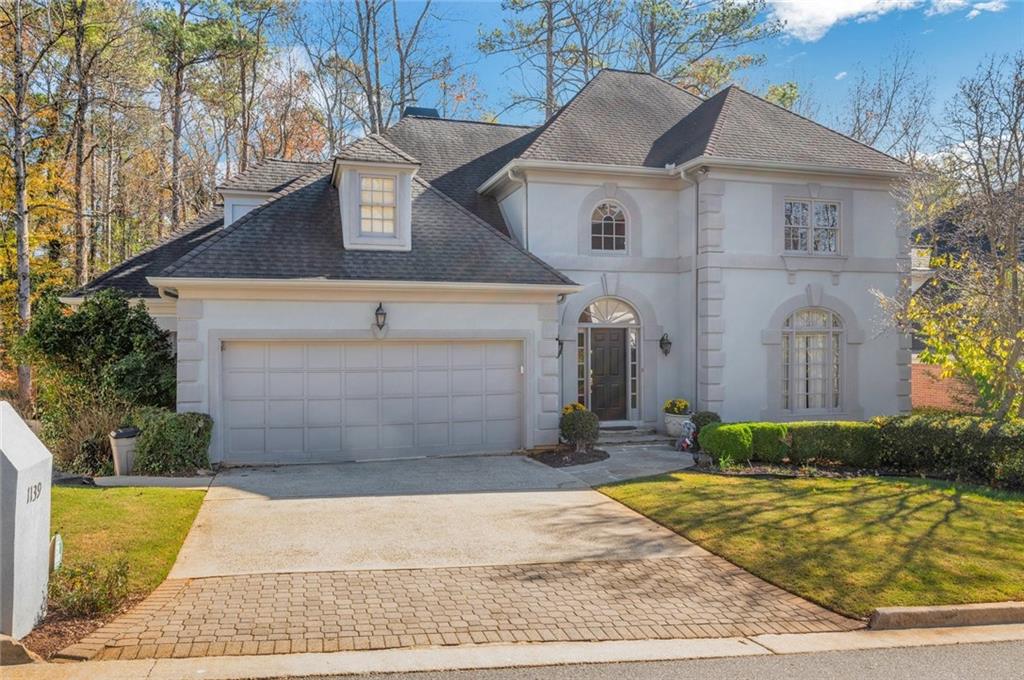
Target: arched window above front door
{"points": [[610, 311]]}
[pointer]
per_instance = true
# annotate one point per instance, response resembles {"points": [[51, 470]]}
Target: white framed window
{"points": [[811, 226], [812, 361], [608, 228], [377, 205]]}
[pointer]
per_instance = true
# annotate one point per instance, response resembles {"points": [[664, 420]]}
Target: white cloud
{"points": [[991, 6], [840, 75], [810, 20]]}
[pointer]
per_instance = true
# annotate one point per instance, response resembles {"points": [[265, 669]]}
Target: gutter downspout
{"points": [[520, 177], [696, 294]]}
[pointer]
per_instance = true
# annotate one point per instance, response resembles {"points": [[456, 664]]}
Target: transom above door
{"points": [[608, 360]]}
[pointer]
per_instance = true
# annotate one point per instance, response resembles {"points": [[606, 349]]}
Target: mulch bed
{"points": [[57, 630], [567, 457]]}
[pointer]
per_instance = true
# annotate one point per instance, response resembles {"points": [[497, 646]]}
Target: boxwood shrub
{"points": [[851, 443], [770, 443], [728, 442], [171, 443], [967, 448], [579, 427]]}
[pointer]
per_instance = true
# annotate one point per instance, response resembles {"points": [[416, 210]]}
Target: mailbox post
{"points": [[26, 468]]}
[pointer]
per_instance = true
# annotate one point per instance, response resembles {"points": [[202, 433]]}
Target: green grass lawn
{"points": [[146, 525], [849, 544]]}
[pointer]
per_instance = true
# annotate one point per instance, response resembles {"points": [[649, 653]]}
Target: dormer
{"points": [[237, 203], [374, 181]]}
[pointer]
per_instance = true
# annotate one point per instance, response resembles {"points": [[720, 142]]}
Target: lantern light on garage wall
{"points": [[381, 316]]}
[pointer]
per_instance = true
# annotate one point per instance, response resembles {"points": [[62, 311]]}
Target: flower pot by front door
{"points": [[674, 423]]}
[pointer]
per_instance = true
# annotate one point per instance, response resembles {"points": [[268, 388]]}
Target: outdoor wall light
{"points": [[381, 316], [665, 344]]}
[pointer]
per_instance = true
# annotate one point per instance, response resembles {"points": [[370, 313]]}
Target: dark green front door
{"points": [[608, 373]]}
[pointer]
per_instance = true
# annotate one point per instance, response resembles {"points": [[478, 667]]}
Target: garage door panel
{"points": [[467, 408], [286, 355], [323, 356], [362, 355], [324, 439], [245, 355], [432, 355], [394, 355], [432, 410], [285, 440], [362, 384], [395, 411], [467, 381], [396, 383], [343, 400], [243, 385], [432, 382], [502, 380], [320, 412], [286, 384], [361, 411], [323, 385]]}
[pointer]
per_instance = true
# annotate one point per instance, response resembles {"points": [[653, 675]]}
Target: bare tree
{"points": [[889, 109], [35, 28]]}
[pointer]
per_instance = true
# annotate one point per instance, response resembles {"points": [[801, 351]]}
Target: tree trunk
{"points": [[243, 139], [82, 240], [21, 193], [549, 62]]}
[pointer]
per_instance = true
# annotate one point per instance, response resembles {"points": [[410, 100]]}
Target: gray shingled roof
{"points": [[375, 149], [269, 175], [737, 125], [298, 236], [458, 156], [130, 276], [619, 118]]}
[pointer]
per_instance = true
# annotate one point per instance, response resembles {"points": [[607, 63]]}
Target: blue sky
{"points": [[824, 38]]}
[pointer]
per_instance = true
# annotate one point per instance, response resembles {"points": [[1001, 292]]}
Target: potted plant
{"points": [[677, 412]]}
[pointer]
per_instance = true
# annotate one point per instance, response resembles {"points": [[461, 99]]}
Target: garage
{"points": [[309, 401]]}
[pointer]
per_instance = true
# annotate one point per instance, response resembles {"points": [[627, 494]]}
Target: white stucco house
{"points": [[449, 285]]}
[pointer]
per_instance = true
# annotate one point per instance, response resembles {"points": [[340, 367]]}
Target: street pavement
{"points": [[987, 661]]}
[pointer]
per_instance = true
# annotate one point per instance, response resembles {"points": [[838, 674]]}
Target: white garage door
{"points": [[320, 401]]}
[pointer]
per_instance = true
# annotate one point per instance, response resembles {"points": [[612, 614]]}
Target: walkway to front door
{"points": [[435, 552]]}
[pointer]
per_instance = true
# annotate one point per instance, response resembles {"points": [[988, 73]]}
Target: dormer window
{"points": [[377, 205]]}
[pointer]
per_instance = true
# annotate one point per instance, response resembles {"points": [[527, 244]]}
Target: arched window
{"points": [[812, 360], [608, 228], [609, 311]]}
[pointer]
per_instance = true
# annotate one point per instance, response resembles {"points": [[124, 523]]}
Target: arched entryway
{"points": [[608, 359]]}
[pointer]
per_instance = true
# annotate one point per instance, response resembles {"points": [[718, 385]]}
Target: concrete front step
{"points": [[615, 437]]}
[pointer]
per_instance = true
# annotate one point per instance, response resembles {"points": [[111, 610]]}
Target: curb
{"points": [[986, 614]]}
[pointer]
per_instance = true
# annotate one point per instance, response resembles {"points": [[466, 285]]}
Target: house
{"points": [[447, 286]]}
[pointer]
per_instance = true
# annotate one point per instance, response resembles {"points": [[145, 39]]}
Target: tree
{"points": [[34, 29], [969, 207], [888, 109], [784, 94], [189, 34], [686, 41]]}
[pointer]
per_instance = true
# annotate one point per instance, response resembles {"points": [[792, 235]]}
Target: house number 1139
{"points": [[34, 492]]}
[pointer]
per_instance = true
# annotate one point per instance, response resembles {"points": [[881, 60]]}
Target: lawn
{"points": [[146, 525], [849, 544]]}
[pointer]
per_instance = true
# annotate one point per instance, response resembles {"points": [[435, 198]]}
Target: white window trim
{"points": [[626, 228], [830, 391], [610, 193], [809, 251], [393, 205]]}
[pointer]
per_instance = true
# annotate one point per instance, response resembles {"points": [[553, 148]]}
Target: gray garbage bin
{"points": [[122, 443]]}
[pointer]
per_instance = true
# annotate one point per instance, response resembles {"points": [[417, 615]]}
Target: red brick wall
{"points": [[928, 389]]}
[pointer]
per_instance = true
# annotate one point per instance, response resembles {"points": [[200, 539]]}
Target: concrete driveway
{"points": [[426, 513]]}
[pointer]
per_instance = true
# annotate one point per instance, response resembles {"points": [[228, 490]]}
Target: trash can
{"points": [[122, 443]]}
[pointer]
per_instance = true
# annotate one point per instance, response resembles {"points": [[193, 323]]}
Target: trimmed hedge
{"points": [[728, 441], [967, 448], [770, 443], [704, 418], [845, 442], [171, 443], [580, 428]]}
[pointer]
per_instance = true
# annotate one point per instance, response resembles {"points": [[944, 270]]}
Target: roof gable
{"points": [[267, 176], [375, 149]]}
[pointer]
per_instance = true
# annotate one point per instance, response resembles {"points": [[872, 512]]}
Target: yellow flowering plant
{"points": [[677, 407]]}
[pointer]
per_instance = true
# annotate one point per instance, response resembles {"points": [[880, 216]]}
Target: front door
{"points": [[608, 373]]}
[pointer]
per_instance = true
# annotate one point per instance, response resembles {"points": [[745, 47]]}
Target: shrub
{"points": [[962, 447], [770, 443], [92, 366], [730, 442], [704, 418], [171, 443], [90, 590], [851, 443], [677, 407], [579, 428]]}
